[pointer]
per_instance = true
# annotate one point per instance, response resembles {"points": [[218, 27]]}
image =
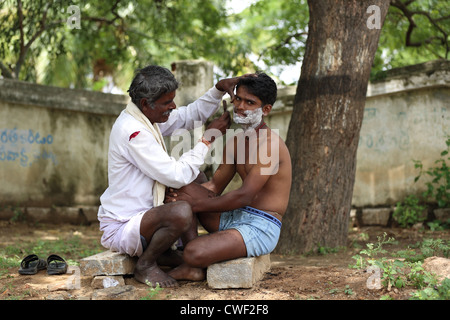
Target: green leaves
{"points": [[438, 188], [409, 212], [126, 34]]}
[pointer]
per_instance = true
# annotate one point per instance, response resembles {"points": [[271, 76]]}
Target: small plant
{"points": [[408, 270], [437, 225], [372, 251], [441, 292], [18, 214], [393, 274], [348, 290], [428, 248], [409, 212], [439, 187], [152, 293]]}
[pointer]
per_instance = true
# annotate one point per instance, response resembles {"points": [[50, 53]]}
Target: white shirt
{"points": [[136, 159]]}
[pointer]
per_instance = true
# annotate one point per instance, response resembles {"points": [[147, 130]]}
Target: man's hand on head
{"points": [[229, 84]]}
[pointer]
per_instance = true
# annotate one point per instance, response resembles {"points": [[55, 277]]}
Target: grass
{"points": [[72, 248]]}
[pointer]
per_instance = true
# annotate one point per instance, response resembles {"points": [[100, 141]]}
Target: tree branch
{"points": [[45, 26], [412, 25], [6, 72]]}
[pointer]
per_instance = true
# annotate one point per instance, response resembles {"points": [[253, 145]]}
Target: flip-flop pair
{"points": [[32, 264]]}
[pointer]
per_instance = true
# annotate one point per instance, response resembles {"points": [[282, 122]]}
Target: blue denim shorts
{"points": [[259, 229]]}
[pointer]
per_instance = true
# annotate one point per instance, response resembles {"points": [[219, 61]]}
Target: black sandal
{"points": [[56, 265], [31, 264]]}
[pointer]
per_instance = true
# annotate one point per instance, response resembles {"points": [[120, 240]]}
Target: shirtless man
{"points": [[247, 221]]}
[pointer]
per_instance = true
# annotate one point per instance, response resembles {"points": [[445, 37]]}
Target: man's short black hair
{"points": [[261, 86]]}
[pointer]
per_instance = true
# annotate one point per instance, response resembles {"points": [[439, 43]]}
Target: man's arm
{"points": [[251, 186], [184, 117], [148, 155], [201, 202], [201, 109]]}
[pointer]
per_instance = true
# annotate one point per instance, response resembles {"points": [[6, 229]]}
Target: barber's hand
{"points": [[190, 193], [222, 124], [173, 195], [229, 84]]}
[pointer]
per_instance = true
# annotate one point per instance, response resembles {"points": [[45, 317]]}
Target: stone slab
{"points": [[126, 292], [440, 266], [107, 263], [103, 282], [238, 273], [376, 216], [442, 214]]}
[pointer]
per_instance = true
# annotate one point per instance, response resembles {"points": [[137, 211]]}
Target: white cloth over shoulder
{"points": [[138, 161], [159, 189]]}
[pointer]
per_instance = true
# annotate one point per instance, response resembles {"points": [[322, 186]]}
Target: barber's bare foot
{"points": [[185, 272], [153, 275]]}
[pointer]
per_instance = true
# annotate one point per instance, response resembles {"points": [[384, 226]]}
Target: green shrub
{"points": [[438, 189], [409, 212]]}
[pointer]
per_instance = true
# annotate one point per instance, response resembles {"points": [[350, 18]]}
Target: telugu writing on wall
{"points": [[25, 147]]}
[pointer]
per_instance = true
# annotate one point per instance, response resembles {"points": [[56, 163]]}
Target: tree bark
{"points": [[324, 130]]}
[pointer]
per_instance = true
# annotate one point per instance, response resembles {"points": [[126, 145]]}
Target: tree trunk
{"points": [[324, 130]]}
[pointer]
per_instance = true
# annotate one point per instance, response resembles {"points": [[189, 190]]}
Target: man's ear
{"points": [[266, 109], [143, 103]]}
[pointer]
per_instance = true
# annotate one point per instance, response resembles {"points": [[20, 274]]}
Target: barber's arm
{"points": [[149, 156], [194, 114], [201, 109]]}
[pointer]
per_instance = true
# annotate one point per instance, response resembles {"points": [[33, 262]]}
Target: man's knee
{"points": [[196, 256], [181, 214]]}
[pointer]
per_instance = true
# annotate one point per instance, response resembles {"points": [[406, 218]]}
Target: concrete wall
{"points": [[54, 142], [406, 118]]}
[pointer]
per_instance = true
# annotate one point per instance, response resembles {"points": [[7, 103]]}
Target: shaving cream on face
{"points": [[251, 120]]}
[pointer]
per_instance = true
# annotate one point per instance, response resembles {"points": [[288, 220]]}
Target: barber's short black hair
{"points": [[151, 82], [261, 86]]}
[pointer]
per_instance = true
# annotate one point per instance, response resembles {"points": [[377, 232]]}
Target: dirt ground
{"points": [[311, 277]]}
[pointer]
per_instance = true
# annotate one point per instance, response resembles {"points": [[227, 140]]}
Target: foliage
{"points": [[373, 251], [275, 31], [432, 247], [116, 37], [438, 188], [152, 292], [407, 270], [409, 212], [414, 32], [438, 225], [441, 292]]}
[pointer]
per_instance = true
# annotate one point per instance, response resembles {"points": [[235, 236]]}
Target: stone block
{"points": [[103, 282], [115, 293], [39, 214], [108, 263], [438, 265], [237, 273], [442, 214], [376, 216], [90, 213]]}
